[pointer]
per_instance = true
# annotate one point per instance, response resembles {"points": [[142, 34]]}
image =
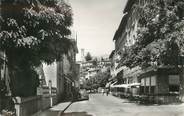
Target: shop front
{"points": [[160, 85]]}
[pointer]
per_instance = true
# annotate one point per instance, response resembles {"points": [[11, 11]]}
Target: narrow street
{"points": [[56, 53], [99, 105]]}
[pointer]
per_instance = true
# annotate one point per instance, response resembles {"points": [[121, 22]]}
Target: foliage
{"points": [[88, 57], [32, 32], [99, 80], [2, 88], [160, 35], [95, 62]]}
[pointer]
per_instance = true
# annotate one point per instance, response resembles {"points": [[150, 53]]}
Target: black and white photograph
{"points": [[91, 57]]}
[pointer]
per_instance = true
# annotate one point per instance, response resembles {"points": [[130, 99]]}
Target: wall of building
{"points": [[162, 84], [158, 84], [127, 33], [125, 37], [66, 65], [50, 72]]}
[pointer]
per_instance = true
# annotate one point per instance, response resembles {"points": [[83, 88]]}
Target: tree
{"points": [[160, 35], [160, 38], [32, 32], [99, 80], [88, 57], [95, 62]]}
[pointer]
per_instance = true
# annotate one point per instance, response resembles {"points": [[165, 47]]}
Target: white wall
{"points": [[50, 73]]}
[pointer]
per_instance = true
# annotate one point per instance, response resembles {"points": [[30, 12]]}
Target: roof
{"points": [[121, 86], [125, 85], [129, 5], [112, 54], [135, 84], [121, 27]]}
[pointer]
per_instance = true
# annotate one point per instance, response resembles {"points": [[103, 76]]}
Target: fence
{"points": [[28, 106]]}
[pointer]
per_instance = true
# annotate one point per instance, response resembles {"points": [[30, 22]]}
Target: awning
{"points": [[126, 85], [113, 84], [135, 84], [121, 86]]}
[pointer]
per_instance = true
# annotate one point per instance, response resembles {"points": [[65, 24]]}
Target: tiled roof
{"points": [[112, 53], [121, 27]]}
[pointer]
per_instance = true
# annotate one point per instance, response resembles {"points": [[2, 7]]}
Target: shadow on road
{"points": [[48, 113], [129, 102], [75, 114], [145, 103]]}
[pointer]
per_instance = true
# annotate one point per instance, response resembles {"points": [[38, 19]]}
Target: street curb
{"points": [[61, 112]]}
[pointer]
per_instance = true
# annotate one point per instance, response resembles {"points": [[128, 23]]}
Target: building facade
{"points": [[89, 69], [63, 75], [156, 83]]}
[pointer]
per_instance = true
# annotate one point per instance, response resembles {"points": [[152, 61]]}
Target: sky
{"points": [[95, 22]]}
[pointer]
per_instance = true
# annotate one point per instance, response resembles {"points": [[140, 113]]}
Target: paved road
{"points": [[99, 105]]}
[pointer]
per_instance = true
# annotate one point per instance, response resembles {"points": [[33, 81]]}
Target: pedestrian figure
{"points": [[103, 91], [107, 92]]}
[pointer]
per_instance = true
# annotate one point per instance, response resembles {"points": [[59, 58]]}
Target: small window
{"points": [[174, 79], [142, 82], [148, 81], [153, 81]]}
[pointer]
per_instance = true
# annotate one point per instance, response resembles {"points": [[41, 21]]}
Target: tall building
{"points": [[82, 55], [160, 83]]}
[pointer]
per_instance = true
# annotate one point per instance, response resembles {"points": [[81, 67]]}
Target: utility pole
{"points": [[181, 90]]}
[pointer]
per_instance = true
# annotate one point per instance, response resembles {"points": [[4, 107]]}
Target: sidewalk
{"points": [[56, 110]]}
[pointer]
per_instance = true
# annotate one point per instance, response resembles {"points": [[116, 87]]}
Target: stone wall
{"points": [[31, 105], [45, 102], [27, 106]]}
